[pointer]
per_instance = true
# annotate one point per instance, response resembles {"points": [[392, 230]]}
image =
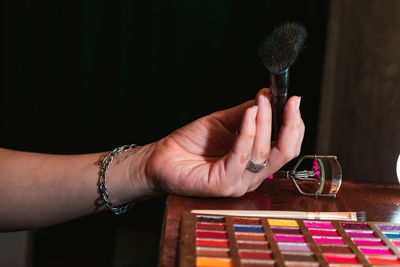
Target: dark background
{"points": [[88, 76]]}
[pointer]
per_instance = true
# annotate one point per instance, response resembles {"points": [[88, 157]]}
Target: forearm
{"points": [[39, 189]]}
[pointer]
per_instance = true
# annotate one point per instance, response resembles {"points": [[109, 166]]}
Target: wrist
{"points": [[139, 180], [126, 181]]}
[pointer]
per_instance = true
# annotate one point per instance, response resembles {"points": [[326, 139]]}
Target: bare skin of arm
{"points": [[206, 158]]}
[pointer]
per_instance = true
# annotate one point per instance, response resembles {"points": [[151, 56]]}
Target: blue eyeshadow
{"points": [[392, 234], [248, 228]]}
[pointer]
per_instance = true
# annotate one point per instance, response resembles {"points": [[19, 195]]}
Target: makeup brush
{"points": [[360, 216], [278, 52]]}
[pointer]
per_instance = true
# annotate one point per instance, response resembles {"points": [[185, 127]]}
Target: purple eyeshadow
{"points": [[286, 246], [388, 227]]}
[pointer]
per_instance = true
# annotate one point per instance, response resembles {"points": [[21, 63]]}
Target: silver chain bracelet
{"points": [[105, 163]]}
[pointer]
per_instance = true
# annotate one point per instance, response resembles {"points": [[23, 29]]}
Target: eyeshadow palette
{"points": [[208, 240]]}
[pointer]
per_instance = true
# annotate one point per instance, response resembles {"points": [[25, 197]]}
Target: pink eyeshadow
{"points": [[328, 240], [209, 234], [324, 232], [368, 242], [315, 224], [375, 250], [290, 238], [360, 233], [396, 243]]}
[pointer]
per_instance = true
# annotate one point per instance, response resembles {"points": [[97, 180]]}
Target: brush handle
{"points": [[348, 216], [278, 104], [279, 84]]}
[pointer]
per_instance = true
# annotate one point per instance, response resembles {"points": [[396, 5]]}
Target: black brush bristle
{"points": [[361, 216], [281, 48]]}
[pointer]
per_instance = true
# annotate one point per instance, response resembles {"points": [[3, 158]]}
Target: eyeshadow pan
{"points": [[255, 254], [396, 242], [247, 244], [388, 227], [324, 232], [205, 242], [353, 225], [244, 220], [384, 260], [368, 241], [344, 265], [299, 263], [248, 228], [289, 246], [376, 250], [358, 233], [298, 256], [285, 230], [204, 218], [352, 244], [340, 258], [281, 222], [212, 252], [211, 261], [289, 238], [249, 236], [329, 248], [318, 224], [392, 234], [210, 226], [328, 240], [211, 234], [257, 263]]}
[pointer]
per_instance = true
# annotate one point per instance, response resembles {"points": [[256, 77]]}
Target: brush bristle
{"points": [[281, 48], [361, 216]]}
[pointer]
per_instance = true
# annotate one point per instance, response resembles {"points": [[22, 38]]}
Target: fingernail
{"points": [[298, 103], [265, 98], [254, 112]]}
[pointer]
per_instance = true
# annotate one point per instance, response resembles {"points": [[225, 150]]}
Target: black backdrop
{"points": [[87, 76]]}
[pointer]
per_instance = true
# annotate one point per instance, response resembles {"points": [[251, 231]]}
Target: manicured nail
{"points": [[298, 103]]}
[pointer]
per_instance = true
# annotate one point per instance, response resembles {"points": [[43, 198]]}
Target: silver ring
{"points": [[254, 166]]}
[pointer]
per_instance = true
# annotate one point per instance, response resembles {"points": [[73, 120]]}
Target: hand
{"points": [[208, 157]]}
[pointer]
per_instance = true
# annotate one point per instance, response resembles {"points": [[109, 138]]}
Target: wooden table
{"points": [[380, 201]]}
